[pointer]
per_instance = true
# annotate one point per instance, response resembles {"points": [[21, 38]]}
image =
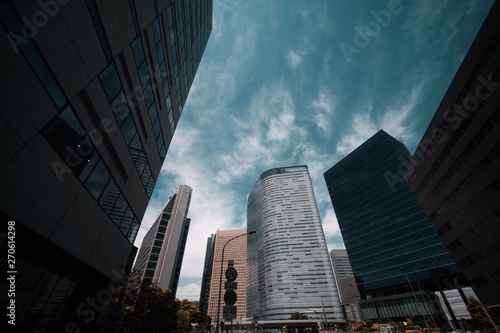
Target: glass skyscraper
{"points": [[394, 250], [289, 268], [207, 274]]}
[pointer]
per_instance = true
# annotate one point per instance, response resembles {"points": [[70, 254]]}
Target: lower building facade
{"points": [[346, 284]]}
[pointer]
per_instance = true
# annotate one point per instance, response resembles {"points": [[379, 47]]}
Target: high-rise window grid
{"points": [[144, 75], [77, 149], [119, 104], [289, 269]]}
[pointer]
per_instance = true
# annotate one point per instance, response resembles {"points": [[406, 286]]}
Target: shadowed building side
{"points": [[455, 171]]}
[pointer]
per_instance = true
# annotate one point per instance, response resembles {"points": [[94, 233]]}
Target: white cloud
{"points": [[294, 59], [362, 127], [330, 223], [395, 118], [190, 292], [262, 134], [323, 106]]}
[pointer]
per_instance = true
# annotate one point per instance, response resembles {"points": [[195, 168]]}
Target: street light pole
{"points": [[414, 296], [220, 276]]}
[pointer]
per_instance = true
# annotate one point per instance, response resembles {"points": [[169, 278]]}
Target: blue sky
{"points": [[304, 82]]}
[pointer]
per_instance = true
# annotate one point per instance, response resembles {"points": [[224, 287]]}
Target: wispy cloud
{"points": [[293, 58], [190, 291], [330, 223], [362, 127], [324, 106]]}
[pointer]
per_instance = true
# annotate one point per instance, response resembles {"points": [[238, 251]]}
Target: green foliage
{"points": [[155, 310], [480, 320], [150, 309]]}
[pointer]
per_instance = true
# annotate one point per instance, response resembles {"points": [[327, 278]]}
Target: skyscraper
{"points": [[341, 265], [207, 274], [455, 171], [346, 283], [395, 253], [91, 94], [236, 250], [289, 269], [162, 249]]}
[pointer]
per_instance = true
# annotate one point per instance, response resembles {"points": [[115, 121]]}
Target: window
{"points": [[13, 24], [110, 82], [98, 179]]}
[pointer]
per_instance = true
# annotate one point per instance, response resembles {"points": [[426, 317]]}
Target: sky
{"points": [[289, 82]]}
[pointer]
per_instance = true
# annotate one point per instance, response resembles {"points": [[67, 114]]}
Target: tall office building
{"points": [[207, 274], [341, 265], [162, 249], [394, 251], [289, 269], [91, 93], [457, 173], [346, 283], [236, 250]]}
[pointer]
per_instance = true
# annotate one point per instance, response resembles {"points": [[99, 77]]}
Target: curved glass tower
{"points": [[289, 269]]}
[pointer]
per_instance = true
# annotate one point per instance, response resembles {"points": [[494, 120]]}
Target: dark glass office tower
{"points": [[395, 253], [91, 93], [207, 274], [456, 168]]}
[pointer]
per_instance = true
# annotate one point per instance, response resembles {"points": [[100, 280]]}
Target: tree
{"points": [[146, 308], [298, 315], [143, 308], [189, 315], [480, 319], [202, 321], [155, 310]]}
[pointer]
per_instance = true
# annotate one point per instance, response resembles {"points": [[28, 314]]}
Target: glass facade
{"points": [[207, 274], [91, 110], [389, 239], [289, 268], [386, 233]]}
